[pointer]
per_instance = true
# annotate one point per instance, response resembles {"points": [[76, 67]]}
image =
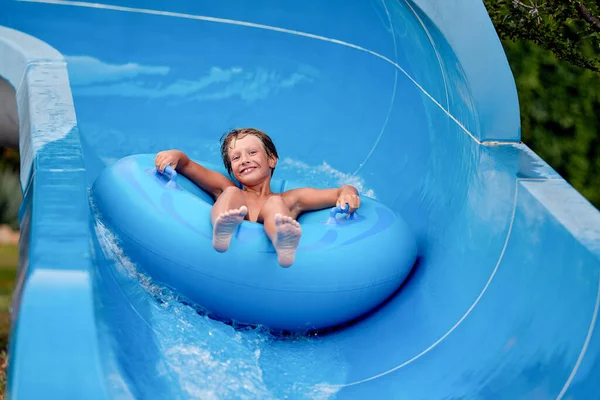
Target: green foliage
{"points": [[9, 159], [570, 29], [9, 259], [10, 198], [10, 189]]}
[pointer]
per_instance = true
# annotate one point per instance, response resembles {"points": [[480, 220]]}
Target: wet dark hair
{"points": [[235, 134]]}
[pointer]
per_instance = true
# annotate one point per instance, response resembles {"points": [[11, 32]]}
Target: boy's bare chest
{"points": [[255, 205]]}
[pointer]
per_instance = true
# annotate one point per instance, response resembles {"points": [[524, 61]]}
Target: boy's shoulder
{"points": [[302, 193], [295, 193]]}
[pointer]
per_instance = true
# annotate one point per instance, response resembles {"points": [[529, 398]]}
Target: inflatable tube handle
{"points": [[172, 174], [339, 210]]}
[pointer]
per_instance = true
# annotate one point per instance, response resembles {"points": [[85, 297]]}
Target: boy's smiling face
{"points": [[249, 161]]}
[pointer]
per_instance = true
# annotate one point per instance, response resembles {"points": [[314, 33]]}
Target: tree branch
{"points": [[587, 15]]}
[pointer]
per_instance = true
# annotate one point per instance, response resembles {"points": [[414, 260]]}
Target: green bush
{"points": [[10, 198]]}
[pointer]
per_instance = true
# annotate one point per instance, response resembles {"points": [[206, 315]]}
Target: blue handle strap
{"points": [[339, 210], [171, 174]]}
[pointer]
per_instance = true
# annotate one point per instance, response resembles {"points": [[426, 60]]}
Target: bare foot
{"points": [[224, 226], [286, 241]]}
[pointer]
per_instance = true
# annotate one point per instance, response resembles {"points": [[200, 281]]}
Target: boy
{"points": [[250, 155]]}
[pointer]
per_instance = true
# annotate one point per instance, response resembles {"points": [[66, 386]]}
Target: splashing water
{"points": [[209, 359]]}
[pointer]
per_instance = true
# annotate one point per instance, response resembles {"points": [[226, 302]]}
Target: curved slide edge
{"points": [[555, 239], [579, 225], [54, 335], [23, 50], [467, 28]]}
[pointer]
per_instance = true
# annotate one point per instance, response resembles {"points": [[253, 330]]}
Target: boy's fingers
{"points": [[351, 201], [354, 203], [160, 162], [345, 204]]}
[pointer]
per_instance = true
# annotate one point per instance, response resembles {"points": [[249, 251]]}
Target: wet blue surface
{"points": [[388, 97]]}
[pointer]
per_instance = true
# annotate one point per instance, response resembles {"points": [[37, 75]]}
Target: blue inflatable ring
{"points": [[344, 267]]}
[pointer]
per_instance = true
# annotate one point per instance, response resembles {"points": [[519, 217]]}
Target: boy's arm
{"points": [[309, 199], [209, 180]]}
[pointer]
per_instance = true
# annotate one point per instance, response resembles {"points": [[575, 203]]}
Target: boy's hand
{"points": [[173, 158], [348, 195]]}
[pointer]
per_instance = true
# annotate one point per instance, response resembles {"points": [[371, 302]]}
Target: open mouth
{"points": [[247, 170]]}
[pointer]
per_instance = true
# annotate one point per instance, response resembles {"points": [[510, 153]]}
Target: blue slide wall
{"points": [[413, 102]]}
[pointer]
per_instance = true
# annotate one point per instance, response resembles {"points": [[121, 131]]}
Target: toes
{"points": [[278, 219], [241, 212], [285, 221]]}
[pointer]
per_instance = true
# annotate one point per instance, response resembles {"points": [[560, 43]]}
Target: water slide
{"points": [[411, 101]]}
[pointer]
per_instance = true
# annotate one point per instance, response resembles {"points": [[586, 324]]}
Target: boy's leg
{"points": [[283, 230], [226, 214]]}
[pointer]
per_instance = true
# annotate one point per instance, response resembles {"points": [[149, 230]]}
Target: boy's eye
{"points": [[253, 152], [235, 158]]}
